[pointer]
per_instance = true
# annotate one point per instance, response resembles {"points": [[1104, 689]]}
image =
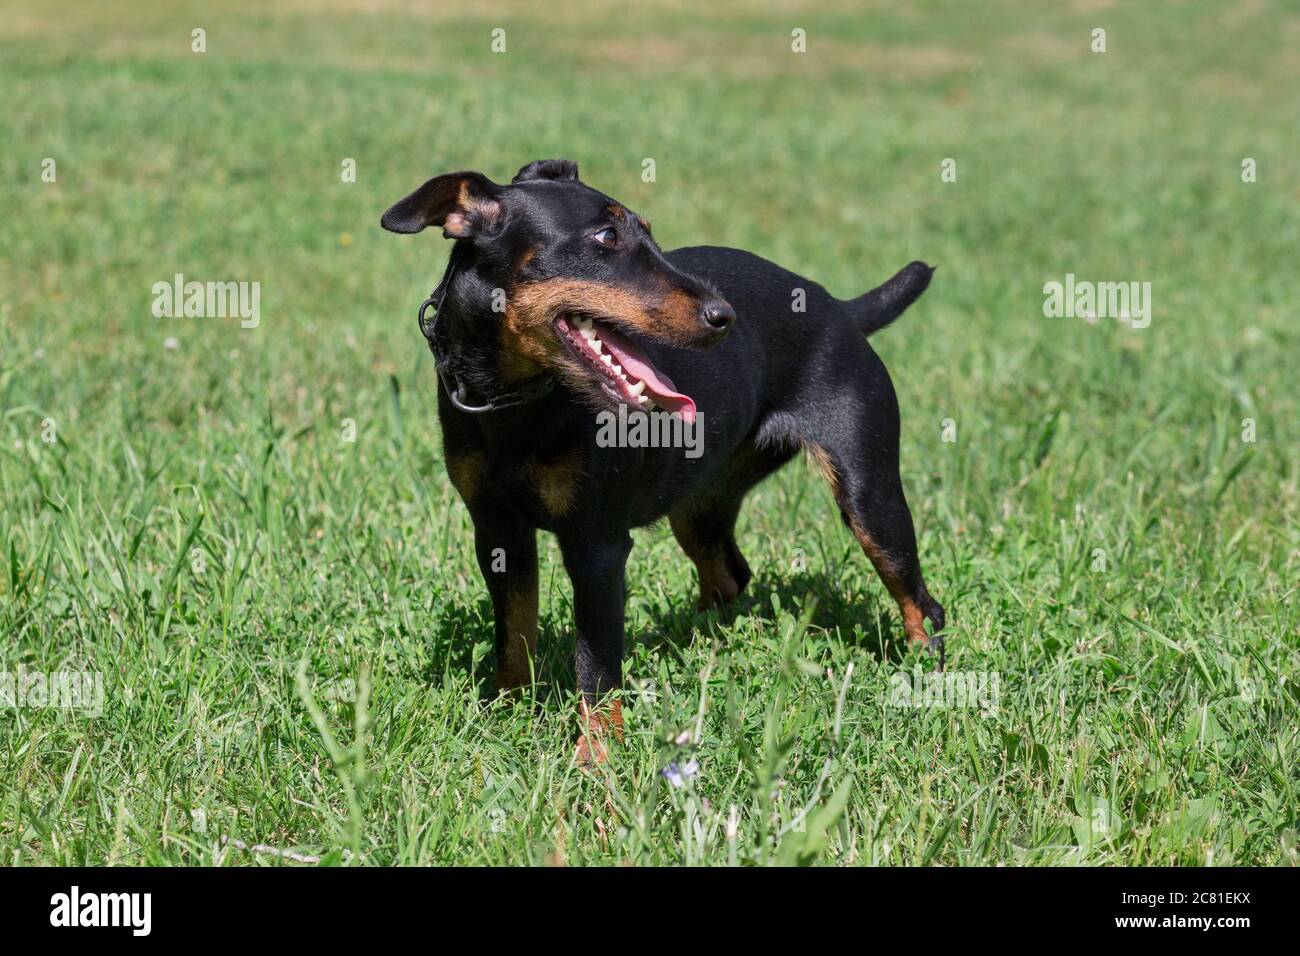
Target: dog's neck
{"points": [[468, 328]]}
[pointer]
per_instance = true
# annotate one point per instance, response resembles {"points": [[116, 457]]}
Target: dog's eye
{"points": [[607, 237]]}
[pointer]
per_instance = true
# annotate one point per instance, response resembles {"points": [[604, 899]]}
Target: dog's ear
{"points": [[464, 204], [547, 169]]}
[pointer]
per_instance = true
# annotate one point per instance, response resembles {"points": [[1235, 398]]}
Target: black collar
{"points": [[527, 392]]}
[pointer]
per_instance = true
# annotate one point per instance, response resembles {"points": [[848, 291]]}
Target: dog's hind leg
{"points": [[873, 507], [705, 527], [709, 539], [857, 452]]}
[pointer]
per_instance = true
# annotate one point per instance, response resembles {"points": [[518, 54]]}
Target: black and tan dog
{"points": [[557, 303]]}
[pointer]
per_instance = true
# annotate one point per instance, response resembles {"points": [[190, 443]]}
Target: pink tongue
{"points": [[657, 385]]}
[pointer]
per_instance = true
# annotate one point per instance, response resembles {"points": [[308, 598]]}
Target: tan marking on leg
{"points": [[598, 723], [819, 458], [556, 480], [466, 472], [913, 618], [717, 586], [515, 661], [913, 621]]}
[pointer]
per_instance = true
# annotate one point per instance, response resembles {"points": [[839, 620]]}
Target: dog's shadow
{"points": [[456, 628], [859, 619], [461, 626]]}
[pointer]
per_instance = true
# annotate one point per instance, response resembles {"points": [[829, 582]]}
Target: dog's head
{"points": [[571, 278]]}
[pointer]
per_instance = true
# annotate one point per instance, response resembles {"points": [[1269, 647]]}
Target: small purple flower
{"points": [[677, 775]]}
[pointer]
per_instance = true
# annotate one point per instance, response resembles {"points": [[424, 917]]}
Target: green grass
{"points": [[199, 533]]}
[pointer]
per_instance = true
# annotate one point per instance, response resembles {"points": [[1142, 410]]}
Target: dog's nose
{"points": [[718, 315]]}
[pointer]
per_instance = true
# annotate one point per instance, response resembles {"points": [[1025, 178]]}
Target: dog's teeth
{"points": [[582, 322], [637, 389], [587, 333], [607, 358]]}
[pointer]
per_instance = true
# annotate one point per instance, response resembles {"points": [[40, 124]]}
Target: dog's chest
{"points": [[542, 485]]}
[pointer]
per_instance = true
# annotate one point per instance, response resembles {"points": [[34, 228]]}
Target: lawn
{"points": [[247, 534]]}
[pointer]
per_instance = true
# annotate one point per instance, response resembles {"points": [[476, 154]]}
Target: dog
{"points": [[557, 304]]}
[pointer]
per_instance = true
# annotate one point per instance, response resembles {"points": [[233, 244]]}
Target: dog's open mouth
{"points": [[624, 371]]}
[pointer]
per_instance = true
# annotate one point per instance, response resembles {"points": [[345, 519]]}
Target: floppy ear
{"points": [[464, 204], [547, 169]]}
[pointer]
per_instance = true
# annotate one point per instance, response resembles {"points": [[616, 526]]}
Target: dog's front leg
{"points": [[596, 567], [506, 547]]}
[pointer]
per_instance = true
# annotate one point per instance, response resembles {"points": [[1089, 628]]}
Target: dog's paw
{"points": [[590, 751], [599, 725]]}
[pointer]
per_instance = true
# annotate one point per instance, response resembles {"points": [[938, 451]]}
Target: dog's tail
{"points": [[876, 309]]}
